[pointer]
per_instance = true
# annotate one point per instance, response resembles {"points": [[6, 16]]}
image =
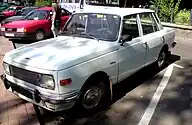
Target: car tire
{"points": [[94, 96], [160, 63], [39, 35]]}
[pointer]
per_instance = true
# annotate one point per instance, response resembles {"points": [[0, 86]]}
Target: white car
{"points": [[96, 49]]}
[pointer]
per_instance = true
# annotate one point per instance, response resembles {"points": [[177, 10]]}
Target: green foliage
{"points": [[183, 17], [40, 3], [166, 9]]}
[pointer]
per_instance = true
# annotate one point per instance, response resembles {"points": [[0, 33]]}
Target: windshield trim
{"points": [[66, 24]]}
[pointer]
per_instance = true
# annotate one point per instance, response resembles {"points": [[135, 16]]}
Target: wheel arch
{"points": [[40, 29], [103, 75]]}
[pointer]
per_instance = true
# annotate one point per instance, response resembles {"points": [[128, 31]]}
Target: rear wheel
{"points": [[162, 58]]}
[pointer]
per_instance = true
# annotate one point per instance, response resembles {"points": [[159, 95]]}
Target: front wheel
{"points": [[39, 35], [93, 97]]}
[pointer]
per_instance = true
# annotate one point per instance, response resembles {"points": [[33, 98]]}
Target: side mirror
{"points": [[125, 38]]}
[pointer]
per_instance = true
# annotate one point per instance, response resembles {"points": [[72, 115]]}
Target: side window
{"points": [[65, 12], [31, 15], [42, 15], [148, 23], [130, 26]]}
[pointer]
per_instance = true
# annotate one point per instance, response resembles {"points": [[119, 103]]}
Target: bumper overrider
{"points": [[52, 103]]}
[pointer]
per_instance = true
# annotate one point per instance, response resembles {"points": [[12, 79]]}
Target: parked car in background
{"points": [[24, 11], [97, 48], [35, 26], [4, 6], [12, 11]]}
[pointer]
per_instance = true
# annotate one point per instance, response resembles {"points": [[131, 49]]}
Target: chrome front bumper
{"points": [[52, 103]]}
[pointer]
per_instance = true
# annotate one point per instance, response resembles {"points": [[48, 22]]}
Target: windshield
{"points": [[95, 26], [25, 11], [37, 15]]}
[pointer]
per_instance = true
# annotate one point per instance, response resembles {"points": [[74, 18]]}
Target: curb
{"points": [[176, 26]]}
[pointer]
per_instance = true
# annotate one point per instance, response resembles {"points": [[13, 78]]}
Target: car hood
{"points": [[20, 23], [60, 53]]}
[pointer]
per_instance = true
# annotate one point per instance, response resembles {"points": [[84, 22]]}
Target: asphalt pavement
{"points": [[149, 97]]}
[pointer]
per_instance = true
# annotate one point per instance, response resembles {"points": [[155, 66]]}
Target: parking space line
{"points": [[156, 97]]}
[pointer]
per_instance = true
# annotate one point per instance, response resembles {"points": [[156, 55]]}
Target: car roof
{"points": [[114, 10], [45, 8]]}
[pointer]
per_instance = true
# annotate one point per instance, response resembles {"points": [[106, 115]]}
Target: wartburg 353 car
{"points": [[94, 51]]}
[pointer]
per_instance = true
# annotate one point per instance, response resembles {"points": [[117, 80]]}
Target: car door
{"points": [[152, 36], [43, 20], [64, 16], [132, 54]]}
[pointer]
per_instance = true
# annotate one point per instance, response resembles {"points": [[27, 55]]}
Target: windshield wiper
{"points": [[89, 35]]}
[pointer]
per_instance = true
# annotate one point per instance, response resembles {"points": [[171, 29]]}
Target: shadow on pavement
{"points": [[119, 90], [176, 102]]}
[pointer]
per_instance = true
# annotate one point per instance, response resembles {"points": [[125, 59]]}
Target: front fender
{"points": [[81, 72]]}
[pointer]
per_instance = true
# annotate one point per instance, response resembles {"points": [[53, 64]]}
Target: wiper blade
{"points": [[89, 35]]}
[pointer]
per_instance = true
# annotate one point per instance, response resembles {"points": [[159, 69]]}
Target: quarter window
{"points": [[130, 26], [148, 23]]}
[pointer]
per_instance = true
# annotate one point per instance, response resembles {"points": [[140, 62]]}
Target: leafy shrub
{"points": [[182, 17], [40, 3], [166, 9]]}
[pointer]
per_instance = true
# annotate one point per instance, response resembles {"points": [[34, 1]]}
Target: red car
{"points": [[35, 26], [12, 11]]}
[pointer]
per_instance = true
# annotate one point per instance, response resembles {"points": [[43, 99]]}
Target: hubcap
{"points": [[161, 59], [92, 97], [39, 36]]}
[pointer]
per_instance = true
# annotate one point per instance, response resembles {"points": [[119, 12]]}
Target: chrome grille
{"points": [[25, 75]]}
